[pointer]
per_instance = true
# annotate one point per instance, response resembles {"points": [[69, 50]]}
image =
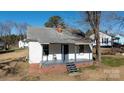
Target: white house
{"points": [[105, 39], [49, 46], [23, 43]]}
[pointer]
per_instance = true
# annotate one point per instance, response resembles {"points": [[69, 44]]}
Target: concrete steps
{"points": [[71, 67]]}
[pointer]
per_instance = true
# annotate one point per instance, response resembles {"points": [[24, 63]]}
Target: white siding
{"points": [[35, 52], [102, 35], [84, 56]]}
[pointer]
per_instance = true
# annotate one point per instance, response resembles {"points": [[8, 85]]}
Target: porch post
{"points": [[91, 48], [75, 52], [41, 55], [47, 57], [89, 52], [89, 56], [62, 53], [48, 53]]}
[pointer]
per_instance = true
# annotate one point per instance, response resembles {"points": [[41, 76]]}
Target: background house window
{"points": [[102, 40], [105, 40], [45, 49]]}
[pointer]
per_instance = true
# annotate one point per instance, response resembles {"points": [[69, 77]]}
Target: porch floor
{"points": [[61, 62]]}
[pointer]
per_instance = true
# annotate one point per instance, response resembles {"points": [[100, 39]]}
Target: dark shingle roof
{"points": [[50, 35]]}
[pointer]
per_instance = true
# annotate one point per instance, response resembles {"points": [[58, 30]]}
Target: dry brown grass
{"points": [[86, 74], [89, 73], [14, 55]]}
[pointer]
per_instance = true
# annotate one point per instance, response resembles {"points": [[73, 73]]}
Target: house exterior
{"points": [[22, 43], [120, 39], [105, 39], [49, 46]]}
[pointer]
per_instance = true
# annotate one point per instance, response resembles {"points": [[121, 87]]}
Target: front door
{"points": [[65, 53]]}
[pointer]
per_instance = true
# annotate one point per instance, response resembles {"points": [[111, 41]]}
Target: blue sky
{"points": [[38, 18]]}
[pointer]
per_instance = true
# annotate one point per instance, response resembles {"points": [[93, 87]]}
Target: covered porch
{"points": [[59, 53]]}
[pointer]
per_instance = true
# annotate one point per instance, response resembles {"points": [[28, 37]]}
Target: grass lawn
{"points": [[113, 61]]}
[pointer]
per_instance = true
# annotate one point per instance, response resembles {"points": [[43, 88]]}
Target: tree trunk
{"points": [[93, 18], [112, 46], [98, 50]]}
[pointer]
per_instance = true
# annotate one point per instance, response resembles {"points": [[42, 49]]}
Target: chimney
{"points": [[59, 28]]}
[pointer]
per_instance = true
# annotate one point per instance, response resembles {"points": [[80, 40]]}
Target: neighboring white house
{"points": [[105, 39], [48, 46], [23, 43]]}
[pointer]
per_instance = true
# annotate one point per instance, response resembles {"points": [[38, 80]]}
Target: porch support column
{"points": [[89, 51], [91, 48], [89, 56], [47, 57], [41, 56], [75, 52], [48, 52]]}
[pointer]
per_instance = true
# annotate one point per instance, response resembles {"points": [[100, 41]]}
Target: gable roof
{"points": [[50, 35], [121, 35], [109, 34]]}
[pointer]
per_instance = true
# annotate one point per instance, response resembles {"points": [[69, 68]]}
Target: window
{"points": [[81, 48], [105, 40], [102, 40], [45, 49], [84, 49]]}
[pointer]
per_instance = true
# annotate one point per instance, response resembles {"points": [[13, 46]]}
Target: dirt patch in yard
{"points": [[94, 74]]}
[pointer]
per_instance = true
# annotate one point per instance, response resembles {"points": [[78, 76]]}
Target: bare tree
{"points": [[1, 29], [6, 28], [21, 28], [6, 32], [93, 18]]}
